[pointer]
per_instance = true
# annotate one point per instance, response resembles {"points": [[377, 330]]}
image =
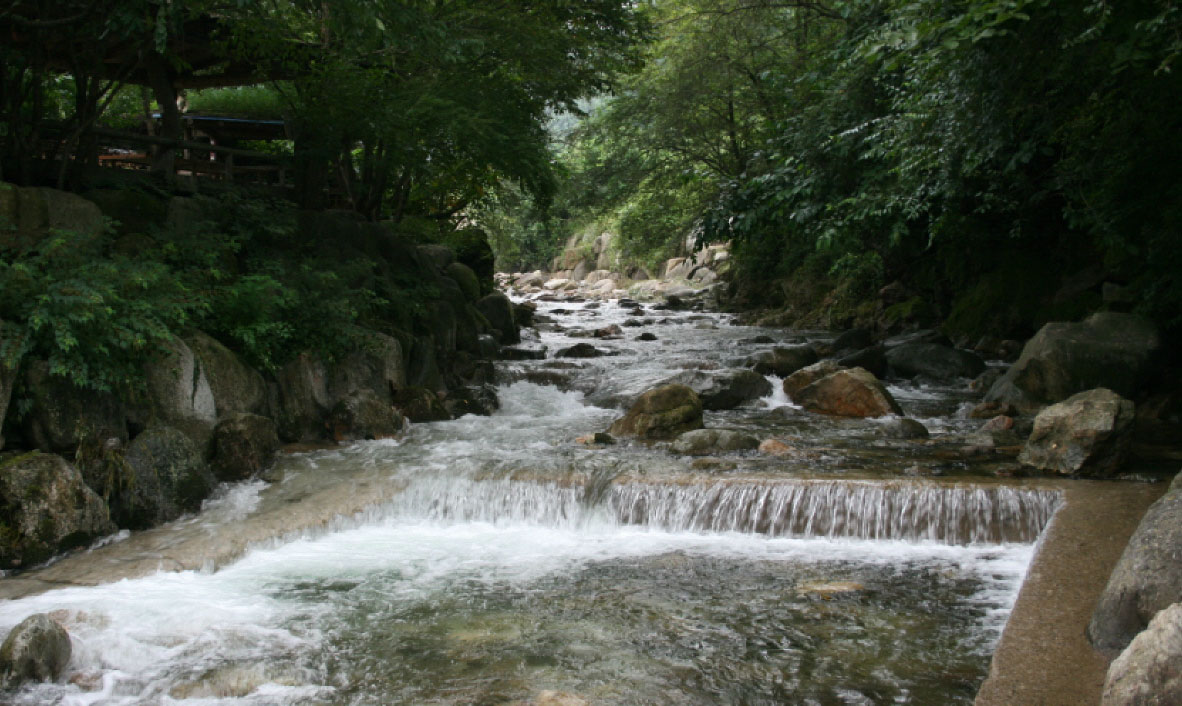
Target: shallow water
{"points": [[512, 560]]}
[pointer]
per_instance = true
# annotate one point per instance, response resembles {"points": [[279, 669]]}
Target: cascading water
{"points": [[503, 560]]}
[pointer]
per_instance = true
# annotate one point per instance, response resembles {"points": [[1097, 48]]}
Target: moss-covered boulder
{"points": [[375, 364], [463, 275], [934, 361], [29, 214], [8, 375], [243, 444], [723, 389], [661, 413], [363, 415], [853, 392], [165, 475], [700, 442], [498, 310], [62, 414], [45, 508], [36, 650]]}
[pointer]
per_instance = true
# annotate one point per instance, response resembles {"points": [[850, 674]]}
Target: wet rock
{"points": [[37, 650], [807, 375], [559, 698], [599, 438], [62, 415], [986, 380], [999, 423], [661, 413], [646, 336], [364, 415], [234, 386], [497, 308], [921, 336], [989, 410], [702, 442], [1111, 350], [1146, 580], [466, 278], [829, 589], [419, 404], [872, 359], [932, 360], [45, 508], [608, 332], [758, 340], [580, 350], [853, 392], [166, 475], [524, 312], [783, 361], [905, 428], [725, 389], [476, 399], [854, 339], [1149, 671], [243, 445], [508, 353], [1087, 434], [775, 447]]}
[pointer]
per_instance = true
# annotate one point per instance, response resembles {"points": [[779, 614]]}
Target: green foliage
{"points": [[264, 102], [95, 316]]}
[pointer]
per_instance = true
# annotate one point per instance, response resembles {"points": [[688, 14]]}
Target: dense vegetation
{"points": [[980, 153]]}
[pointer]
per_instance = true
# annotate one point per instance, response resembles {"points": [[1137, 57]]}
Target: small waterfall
{"points": [[951, 514], [876, 510]]}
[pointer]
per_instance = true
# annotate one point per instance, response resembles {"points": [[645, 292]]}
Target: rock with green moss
{"points": [[62, 414], [466, 278], [166, 475], [45, 508], [701, 442], [7, 380], [36, 650], [363, 415], [661, 413], [28, 215], [498, 310], [243, 445]]}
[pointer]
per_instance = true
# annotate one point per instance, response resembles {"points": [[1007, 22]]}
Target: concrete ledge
{"points": [[1043, 657]]}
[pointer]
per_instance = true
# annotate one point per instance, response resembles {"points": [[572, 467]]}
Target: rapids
{"points": [[500, 559]]}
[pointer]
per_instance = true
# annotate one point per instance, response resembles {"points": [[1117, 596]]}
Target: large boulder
{"points": [[933, 360], [1149, 671], [165, 475], [723, 389], [783, 361], [1147, 579], [1087, 434], [497, 308], [700, 442], [375, 364], [243, 444], [420, 404], [467, 280], [304, 401], [178, 393], [363, 415], [45, 508], [809, 374], [1111, 350], [28, 215], [661, 413], [234, 385], [474, 399], [7, 380], [853, 392], [36, 650], [62, 414]]}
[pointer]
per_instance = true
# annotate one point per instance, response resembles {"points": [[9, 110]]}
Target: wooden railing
{"points": [[220, 164]]}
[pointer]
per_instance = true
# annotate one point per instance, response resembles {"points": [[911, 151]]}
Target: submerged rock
{"points": [[723, 389], [701, 442], [853, 392], [1147, 579], [1088, 433], [580, 350], [419, 404], [37, 650], [661, 413], [905, 428], [476, 399], [45, 508], [1149, 671]]}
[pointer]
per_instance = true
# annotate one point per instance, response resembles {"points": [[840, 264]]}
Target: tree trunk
{"points": [[170, 122]]}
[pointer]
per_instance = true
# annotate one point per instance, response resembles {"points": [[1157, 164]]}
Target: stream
{"points": [[509, 563]]}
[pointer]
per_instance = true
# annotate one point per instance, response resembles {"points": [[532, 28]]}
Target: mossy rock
{"points": [[913, 313], [466, 278], [661, 413], [133, 211]]}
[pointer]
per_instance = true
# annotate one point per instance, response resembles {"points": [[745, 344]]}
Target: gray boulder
{"points": [[62, 414], [783, 361], [304, 401], [661, 413], [933, 360], [178, 387], [498, 310], [45, 508], [165, 476], [1088, 434], [37, 650], [1149, 671], [1111, 350], [363, 415], [375, 365], [723, 389], [853, 392], [904, 428], [1147, 579], [243, 444], [701, 442], [234, 385]]}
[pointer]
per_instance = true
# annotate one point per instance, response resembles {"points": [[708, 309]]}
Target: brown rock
{"points": [[806, 376], [661, 413], [999, 423], [775, 447], [854, 392]]}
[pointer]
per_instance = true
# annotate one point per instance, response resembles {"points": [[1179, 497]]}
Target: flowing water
{"points": [[509, 560]]}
